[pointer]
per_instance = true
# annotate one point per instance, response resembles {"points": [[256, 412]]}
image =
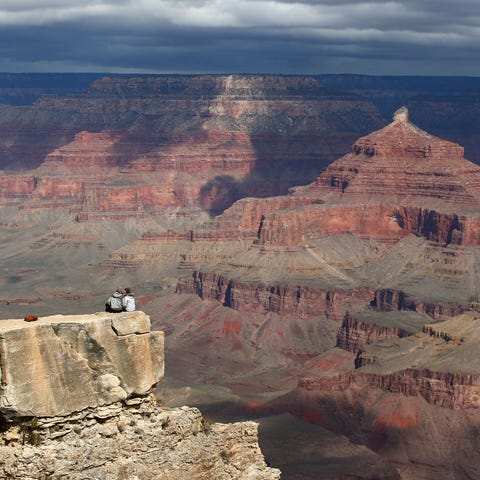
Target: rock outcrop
{"points": [[76, 399], [358, 331], [64, 364], [142, 441], [397, 181], [298, 301]]}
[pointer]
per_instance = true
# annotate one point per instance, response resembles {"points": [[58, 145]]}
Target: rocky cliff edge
{"points": [[76, 401], [60, 364]]}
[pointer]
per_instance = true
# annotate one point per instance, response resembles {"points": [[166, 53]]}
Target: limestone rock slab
{"points": [[147, 443], [63, 364]]}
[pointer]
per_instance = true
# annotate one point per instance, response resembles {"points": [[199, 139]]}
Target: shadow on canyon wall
{"points": [[309, 122]]}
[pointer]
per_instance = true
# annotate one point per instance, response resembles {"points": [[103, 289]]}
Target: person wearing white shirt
{"points": [[128, 301]]}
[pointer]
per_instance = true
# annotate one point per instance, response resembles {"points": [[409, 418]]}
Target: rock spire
{"points": [[401, 115]]}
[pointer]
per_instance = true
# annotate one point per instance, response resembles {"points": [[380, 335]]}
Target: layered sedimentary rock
{"points": [[391, 300], [445, 106], [298, 301], [402, 162], [189, 140], [398, 180], [395, 386], [356, 332], [263, 289], [399, 254], [388, 214]]}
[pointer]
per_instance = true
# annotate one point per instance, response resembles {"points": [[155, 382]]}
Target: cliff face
{"points": [[60, 365], [455, 391], [389, 300], [354, 334], [140, 441], [430, 361], [200, 140], [300, 302], [404, 385], [76, 397]]}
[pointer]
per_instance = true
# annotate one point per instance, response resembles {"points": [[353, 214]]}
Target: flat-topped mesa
{"points": [[60, 364]]}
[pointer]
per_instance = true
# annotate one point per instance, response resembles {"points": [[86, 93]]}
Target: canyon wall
{"points": [[381, 221], [389, 300], [354, 333], [191, 140], [445, 389], [298, 301]]}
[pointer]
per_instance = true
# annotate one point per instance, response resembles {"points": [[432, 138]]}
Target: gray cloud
{"points": [[279, 36]]}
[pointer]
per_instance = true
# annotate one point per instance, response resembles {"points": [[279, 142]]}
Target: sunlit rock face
{"points": [[402, 163], [76, 398], [64, 364]]}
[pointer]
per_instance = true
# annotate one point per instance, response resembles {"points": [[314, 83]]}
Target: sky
{"points": [[376, 37]]}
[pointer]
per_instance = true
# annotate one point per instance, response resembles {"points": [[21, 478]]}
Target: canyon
{"points": [[312, 263]]}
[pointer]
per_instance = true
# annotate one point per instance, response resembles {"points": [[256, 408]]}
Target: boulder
{"points": [[64, 363]]}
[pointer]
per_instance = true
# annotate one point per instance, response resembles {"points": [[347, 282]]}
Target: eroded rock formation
{"points": [[76, 399], [355, 333], [176, 141], [389, 229], [298, 301], [64, 364], [398, 180], [394, 386]]}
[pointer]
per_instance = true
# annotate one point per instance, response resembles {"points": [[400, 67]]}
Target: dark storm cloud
{"points": [[282, 36]]}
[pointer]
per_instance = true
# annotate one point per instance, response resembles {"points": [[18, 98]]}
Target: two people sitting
{"points": [[122, 300]]}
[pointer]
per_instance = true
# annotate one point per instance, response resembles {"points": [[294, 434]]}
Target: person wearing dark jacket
{"points": [[114, 303]]}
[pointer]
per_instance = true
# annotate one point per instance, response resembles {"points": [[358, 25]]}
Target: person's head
{"points": [[119, 290], [128, 291]]}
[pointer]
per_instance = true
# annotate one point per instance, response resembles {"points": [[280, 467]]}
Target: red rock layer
{"points": [[245, 218], [405, 163], [298, 301], [193, 152], [387, 300], [292, 226], [379, 221], [451, 390], [17, 185], [398, 181], [210, 139], [354, 334]]}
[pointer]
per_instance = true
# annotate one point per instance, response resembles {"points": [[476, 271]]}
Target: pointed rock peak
{"points": [[401, 115], [403, 139]]}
